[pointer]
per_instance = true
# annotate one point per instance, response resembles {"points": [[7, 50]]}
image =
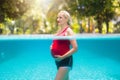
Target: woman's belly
{"points": [[60, 47], [59, 51]]}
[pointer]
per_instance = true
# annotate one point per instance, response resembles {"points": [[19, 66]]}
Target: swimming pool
{"points": [[28, 57]]}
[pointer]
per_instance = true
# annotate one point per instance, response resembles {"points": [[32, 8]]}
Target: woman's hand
{"points": [[58, 57]]}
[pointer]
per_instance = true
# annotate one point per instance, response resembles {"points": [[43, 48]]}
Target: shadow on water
{"points": [[102, 47], [108, 48], [9, 50]]}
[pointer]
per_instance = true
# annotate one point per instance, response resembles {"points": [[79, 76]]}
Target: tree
{"points": [[102, 10], [12, 9]]}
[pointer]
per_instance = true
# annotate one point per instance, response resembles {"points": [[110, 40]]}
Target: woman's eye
{"points": [[60, 17]]}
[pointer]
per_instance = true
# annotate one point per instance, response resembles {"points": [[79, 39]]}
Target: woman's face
{"points": [[61, 20]]}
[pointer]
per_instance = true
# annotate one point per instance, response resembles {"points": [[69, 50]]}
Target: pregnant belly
{"points": [[58, 52]]}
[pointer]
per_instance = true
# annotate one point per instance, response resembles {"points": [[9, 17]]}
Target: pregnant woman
{"points": [[60, 48]]}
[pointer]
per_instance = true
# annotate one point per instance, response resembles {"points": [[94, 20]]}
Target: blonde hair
{"points": [[67, 15]]}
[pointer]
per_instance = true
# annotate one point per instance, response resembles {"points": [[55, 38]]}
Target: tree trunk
{"points": [[99, 25], [88, 24], [107, 25]]}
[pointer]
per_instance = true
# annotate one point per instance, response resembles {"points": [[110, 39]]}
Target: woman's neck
{"points": [[63, 26]]}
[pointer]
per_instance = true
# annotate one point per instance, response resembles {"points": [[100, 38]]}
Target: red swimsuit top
{"points": [[60, 47]]}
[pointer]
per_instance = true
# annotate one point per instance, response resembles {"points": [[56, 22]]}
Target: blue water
{"points": [[29, 58]]}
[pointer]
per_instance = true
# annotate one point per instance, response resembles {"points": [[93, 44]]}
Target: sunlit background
{"points": [[39, 16]]}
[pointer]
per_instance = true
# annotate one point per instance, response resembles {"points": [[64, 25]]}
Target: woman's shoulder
{"points": [[70, 32]]}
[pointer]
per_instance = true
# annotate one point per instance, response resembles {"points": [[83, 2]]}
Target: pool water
{"points": [[97, 58]]}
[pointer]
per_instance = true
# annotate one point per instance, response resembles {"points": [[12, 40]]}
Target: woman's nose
{"points": [[57, 19]]}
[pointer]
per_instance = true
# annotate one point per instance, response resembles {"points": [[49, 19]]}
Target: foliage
{"points": [[12, 9], [39, 16], [101, 10]]}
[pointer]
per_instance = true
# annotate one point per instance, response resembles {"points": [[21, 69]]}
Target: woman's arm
{"points": [[72, 42]]}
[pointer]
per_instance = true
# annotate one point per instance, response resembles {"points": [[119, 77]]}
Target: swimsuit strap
{"points": [[63, 30]]}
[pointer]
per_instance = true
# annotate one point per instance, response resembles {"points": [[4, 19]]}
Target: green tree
{"points": [[12, 9], [102, 10]]}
